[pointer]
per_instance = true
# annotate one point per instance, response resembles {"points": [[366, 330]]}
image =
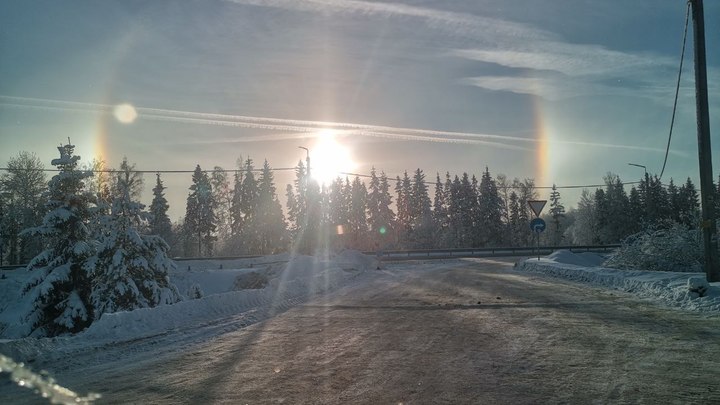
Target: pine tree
{"points": [[130, 269], [59, 287], [159, 221], [557, 211]]}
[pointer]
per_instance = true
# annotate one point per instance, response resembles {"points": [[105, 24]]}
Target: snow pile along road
{"points": [[252, 288], [682, 290]]}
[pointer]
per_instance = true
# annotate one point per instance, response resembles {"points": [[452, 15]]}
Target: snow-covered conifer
{"points": [[23, 190], [130, 269], [59, 287]]}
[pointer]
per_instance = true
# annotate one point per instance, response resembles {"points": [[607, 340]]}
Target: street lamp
{"points": [[637, 165], [307, 158], [647, 187]]}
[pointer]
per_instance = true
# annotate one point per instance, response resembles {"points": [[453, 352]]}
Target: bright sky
{"points": [[559, 90]]}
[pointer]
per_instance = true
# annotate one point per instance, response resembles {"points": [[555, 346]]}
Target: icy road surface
{"points": [[473, 331]]}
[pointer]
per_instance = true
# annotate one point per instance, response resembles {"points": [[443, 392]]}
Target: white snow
{"points": [[288, 281], [674, 289]]}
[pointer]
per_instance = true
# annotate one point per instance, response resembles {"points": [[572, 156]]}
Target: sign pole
{"points": [[712, 267], [537, 225]]}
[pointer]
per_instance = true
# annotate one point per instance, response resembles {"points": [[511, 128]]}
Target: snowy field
{"points": [[688, 291]]}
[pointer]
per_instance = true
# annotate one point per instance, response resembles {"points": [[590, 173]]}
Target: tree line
{"points": [[240, 212]]}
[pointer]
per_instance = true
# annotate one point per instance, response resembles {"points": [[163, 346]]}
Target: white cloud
{"points": [[568, 59], [462, 24]]}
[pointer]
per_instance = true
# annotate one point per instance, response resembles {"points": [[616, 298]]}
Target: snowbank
{"points": [[289, 280], [681, 290]]}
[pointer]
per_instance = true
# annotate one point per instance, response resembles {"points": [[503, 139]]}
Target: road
{"points": [[470, 332]]}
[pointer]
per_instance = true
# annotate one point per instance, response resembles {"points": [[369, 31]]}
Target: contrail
{"points": [[300, 127]]}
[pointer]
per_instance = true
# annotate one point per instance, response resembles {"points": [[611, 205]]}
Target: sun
{"points": [[328, 158]]}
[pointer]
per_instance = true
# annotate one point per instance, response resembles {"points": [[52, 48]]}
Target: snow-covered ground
{"points": [[672, 289], [238, 293], [234, 294]]}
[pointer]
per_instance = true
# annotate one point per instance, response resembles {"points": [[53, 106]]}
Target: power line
{"points": [[677, 88], [429, 183]]}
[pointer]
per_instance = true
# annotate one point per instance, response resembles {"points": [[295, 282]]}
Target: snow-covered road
{"points": [[471, 331]]}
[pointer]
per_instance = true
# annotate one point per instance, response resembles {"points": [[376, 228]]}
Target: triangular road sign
{"points": [[537, 206]]}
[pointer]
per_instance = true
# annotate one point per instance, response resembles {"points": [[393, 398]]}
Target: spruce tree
{"points": [[130, 269], [236, 216], [59, 286], [490, 209], [357, 220], [404, 227], [269, 219], [514, 219], [381, 218], [222, 197], [440, 211], [636, 211], [297, 206], [159, 221], [557, 211], [602, 215], [200, 216], [689, 204], [421, 220], [673, 201], [526, 192]]}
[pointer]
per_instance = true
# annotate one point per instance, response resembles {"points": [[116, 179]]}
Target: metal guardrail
{"points": [[416, 254], [397, 255]]}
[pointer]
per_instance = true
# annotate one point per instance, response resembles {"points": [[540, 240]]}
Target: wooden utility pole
{"points": [[712, 270]]}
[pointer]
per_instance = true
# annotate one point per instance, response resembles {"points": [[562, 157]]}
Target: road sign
{"points": [[537, 225], [537, 206]]}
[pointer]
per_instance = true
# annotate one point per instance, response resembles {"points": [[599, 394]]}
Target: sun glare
{"points": [[328, 158]]}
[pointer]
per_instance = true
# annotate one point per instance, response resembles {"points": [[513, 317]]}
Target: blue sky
{"points": [[561, 91]]}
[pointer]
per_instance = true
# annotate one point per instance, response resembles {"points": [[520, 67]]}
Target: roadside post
{"points": [[537, 225]]}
